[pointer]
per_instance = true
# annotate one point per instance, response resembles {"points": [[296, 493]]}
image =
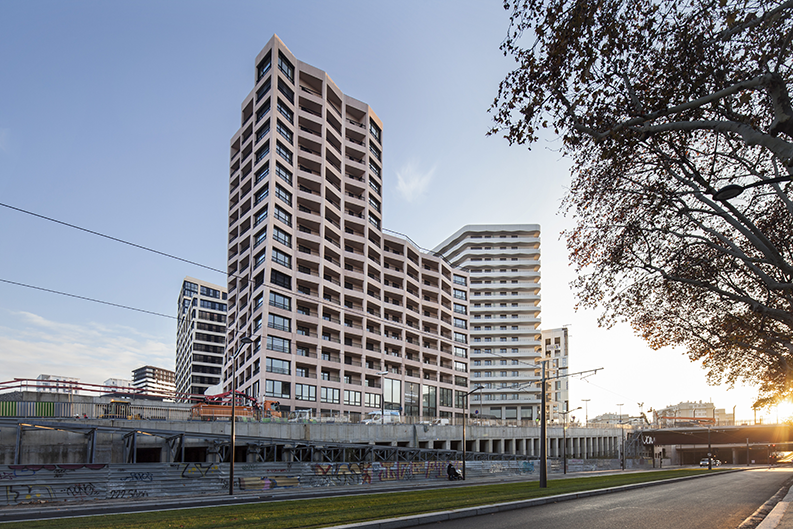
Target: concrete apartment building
{"points": [[57, 384], [687, 413], [342, 314], [154, 381], [200, 336], [557, 351], [504, 266]]}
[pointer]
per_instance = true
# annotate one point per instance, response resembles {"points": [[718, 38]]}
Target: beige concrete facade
{"points": [[504, 265], [556, 347], [342, 314]]}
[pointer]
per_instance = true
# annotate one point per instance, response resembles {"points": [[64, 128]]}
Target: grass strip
{"points": [[325, 512]]}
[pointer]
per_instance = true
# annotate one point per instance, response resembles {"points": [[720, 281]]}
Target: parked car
{"points": [[704, 462]]}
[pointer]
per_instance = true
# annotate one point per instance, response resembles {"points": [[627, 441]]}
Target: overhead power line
{"points": [[86, 298], [116, 239]]}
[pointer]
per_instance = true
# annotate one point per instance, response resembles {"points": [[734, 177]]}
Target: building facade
{"points": [[200, 336], [154, 381], [557, 350], [345, 318], [504, 266], [57, 384], [692, 413]]}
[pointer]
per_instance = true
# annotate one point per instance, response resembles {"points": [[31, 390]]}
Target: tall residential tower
{"points": [[504, 265], [342, 315]]}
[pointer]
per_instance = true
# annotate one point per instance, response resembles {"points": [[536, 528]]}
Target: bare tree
{"points": [[661, 104]]}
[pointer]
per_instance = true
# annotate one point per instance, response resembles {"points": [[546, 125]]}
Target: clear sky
{"points": [[116, 116]]}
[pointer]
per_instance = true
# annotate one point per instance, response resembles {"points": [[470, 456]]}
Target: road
{"points": [[722, 501]]}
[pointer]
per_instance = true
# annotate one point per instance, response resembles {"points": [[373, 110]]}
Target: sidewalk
{"points": [[781, 517]]}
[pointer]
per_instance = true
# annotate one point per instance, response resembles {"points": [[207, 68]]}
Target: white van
{"points": [[390, 417]]}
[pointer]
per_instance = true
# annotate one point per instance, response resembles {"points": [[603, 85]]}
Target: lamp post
{"points": [[244, 340], [622, 440], [477, 388], [543, 433], [382, 375], [564, 438], [733, 190], [586, 410]]}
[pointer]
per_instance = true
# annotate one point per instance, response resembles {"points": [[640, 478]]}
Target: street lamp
{"points": [[382, 375], [477, 388], [564, 438], [622, 440], [244, 340], [586, 410], [733, 190]]}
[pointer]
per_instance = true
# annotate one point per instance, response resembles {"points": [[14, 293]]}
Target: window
{"points": [[374, 150], [213, 305], [375, 131], [458, 337], [282, 302], [260, 258], [282, 237], [445, 396], [262, 193], [283, 216], [283, 194], [283, 173], [284, 131], [372, 400], [283, 152], [285, 112], [352, 398], [264, 66], [460, 323], [263, 131], [375, 186], [282, 345], [263, 173], [329, 395], [286, 67], [286, 91], [375, 204], [280, 279], [263, 110], [460, 309], [373, 167], [458, 280], [261, 92], [374, 221], [462, 352], [261, 216], [282, 258], [276, 388], [210, 292], [459, 294], [305, 392], [460, 366], [279, 323], [275, 365]]}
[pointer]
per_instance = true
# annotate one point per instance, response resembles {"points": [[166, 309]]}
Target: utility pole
{"points": [[543, 429], [622, 441]]}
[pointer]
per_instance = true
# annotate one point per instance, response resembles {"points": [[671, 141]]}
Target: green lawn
{"points": [[324, 512]]}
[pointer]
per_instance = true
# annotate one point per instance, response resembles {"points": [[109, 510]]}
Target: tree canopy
{"points": [[660, 104]]}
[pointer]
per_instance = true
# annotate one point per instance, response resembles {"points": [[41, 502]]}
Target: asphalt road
{"points": [[723, 501]]}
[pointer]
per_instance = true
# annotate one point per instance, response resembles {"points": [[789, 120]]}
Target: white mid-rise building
{"points": [[503, 261], [57, 384], [154, 381]]}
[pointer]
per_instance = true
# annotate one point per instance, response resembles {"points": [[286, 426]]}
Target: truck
{"points": [[389, 417], [219, 407]]}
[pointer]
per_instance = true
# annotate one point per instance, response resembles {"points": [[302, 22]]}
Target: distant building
{"points": [[200, 336], [556, 350], [154, 381], [688, 413], [57, 384], [118, 385], [610, 419]]}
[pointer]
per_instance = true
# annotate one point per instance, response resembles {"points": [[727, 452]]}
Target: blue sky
{"points": [[117, 117]]}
